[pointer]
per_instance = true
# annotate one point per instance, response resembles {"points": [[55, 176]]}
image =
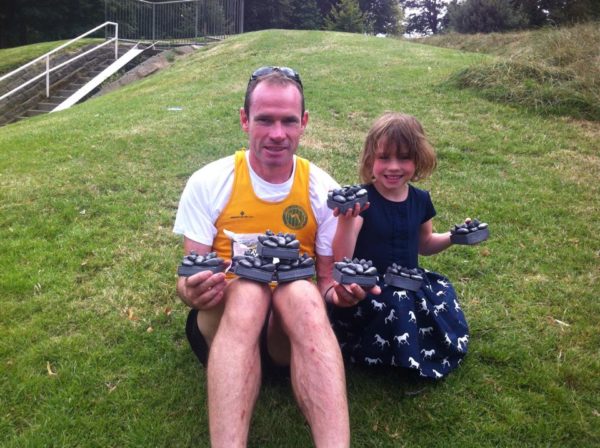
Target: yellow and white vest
{"points": [[247, 216]]}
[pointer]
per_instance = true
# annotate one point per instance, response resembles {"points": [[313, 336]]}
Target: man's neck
{"points": [[272, 174]]}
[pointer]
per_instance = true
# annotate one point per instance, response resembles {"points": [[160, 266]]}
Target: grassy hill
{"points": [[92, 346], [550, 70], [12, 58]]}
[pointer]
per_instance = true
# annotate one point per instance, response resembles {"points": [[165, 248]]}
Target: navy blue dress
{"points": [[424, 330]]}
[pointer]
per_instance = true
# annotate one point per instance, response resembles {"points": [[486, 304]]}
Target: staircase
{"points": [[64, 88], [62, 77]]}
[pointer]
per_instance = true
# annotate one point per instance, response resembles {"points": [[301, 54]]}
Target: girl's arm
{"points": [[429, 242], [348, 227], [344, 242]]}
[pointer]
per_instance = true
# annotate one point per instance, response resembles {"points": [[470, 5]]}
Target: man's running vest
{"points": [[245, 213]]}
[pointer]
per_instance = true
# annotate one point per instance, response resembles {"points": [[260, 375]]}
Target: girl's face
{"points": [[392, 170]]}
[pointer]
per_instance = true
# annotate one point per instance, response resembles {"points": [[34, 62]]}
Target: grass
{"points": [[552, 71], [12, 58], [93, 351]]}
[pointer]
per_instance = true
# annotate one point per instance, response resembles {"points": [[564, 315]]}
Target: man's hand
{"points": [[203, 290], [349, 295]]}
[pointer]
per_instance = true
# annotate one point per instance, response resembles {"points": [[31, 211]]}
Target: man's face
{"points": [[274, 126]]}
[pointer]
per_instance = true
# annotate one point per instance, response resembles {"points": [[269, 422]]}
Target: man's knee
{"points": [[299, 303], [246, 306]]}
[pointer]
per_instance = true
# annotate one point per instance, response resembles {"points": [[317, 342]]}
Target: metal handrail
{"points": [[176, 21], [46, 56]]}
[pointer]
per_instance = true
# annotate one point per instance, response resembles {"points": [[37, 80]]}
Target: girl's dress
{"points": [[424, 330]]}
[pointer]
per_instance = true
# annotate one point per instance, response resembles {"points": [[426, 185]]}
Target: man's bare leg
{"points": [[208, 322], [317, 368], [234, 368]]}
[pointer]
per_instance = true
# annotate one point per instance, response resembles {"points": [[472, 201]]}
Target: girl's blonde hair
{"points": [[405, 136]]}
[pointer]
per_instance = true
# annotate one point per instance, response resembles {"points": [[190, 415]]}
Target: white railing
{"points": [[46, 58], [176, 21]]}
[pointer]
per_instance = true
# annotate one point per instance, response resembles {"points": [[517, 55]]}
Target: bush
{"points": [[553, 70], [545, 90], [484, 16]]}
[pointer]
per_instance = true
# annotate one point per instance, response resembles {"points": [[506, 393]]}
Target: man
{"points": [[239, 322]]}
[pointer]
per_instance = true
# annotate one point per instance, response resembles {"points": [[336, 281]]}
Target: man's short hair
{"points": [[276, 78]]}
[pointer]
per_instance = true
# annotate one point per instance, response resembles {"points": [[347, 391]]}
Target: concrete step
{"points": [[48, 105], [65, 92], [34, 112]]}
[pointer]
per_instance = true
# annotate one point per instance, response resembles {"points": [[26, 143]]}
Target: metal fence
{"points": [[176, 21]]}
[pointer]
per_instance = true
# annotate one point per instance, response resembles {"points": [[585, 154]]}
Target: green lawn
{"points": [[12, 58], [92, 344]]}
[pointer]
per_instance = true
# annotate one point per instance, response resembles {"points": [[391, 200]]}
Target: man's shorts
{"points": [[200, 347]]}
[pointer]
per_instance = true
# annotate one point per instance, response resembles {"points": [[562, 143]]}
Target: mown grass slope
{"points": [[551, 70], [13, 58], [93, 351]]}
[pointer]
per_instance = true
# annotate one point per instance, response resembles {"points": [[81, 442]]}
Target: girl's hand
{"points": [[351, 212], [349, 295]]}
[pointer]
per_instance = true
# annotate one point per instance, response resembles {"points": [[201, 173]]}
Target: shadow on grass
{"points": [[384, 381]]}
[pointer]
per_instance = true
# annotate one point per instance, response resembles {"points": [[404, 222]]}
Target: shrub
{"points": [[484, 16]]}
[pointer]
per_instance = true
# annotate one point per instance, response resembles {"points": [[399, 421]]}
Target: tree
{"points": [[535, 11], [28, 21], [265, 14], [346, 16], [326, 5], [484, 16], [570, 11], [305, 15], [427, 16], [382, 16], [557, 12]]}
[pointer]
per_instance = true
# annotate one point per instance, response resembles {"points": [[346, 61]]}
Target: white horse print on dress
{"points": [[463, 341], [439, 308], [379, 306], [402, 339], [413, 364], [427, 354], [445, 284], [401, 295], [425, 331], [380, 341], [447, 340], [424, 307], [373, 361], [391, 317]]}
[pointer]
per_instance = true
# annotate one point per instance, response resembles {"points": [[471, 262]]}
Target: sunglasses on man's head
{"points": [[285, 71]]}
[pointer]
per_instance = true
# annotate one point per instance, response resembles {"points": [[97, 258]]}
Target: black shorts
{"points": [[200, 348]]}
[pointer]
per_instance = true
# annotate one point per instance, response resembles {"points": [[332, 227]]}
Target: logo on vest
{"points": [[242, 215], [295, 217]]}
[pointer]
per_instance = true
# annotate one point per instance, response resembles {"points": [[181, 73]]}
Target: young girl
{"points": [[423, 330]]}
